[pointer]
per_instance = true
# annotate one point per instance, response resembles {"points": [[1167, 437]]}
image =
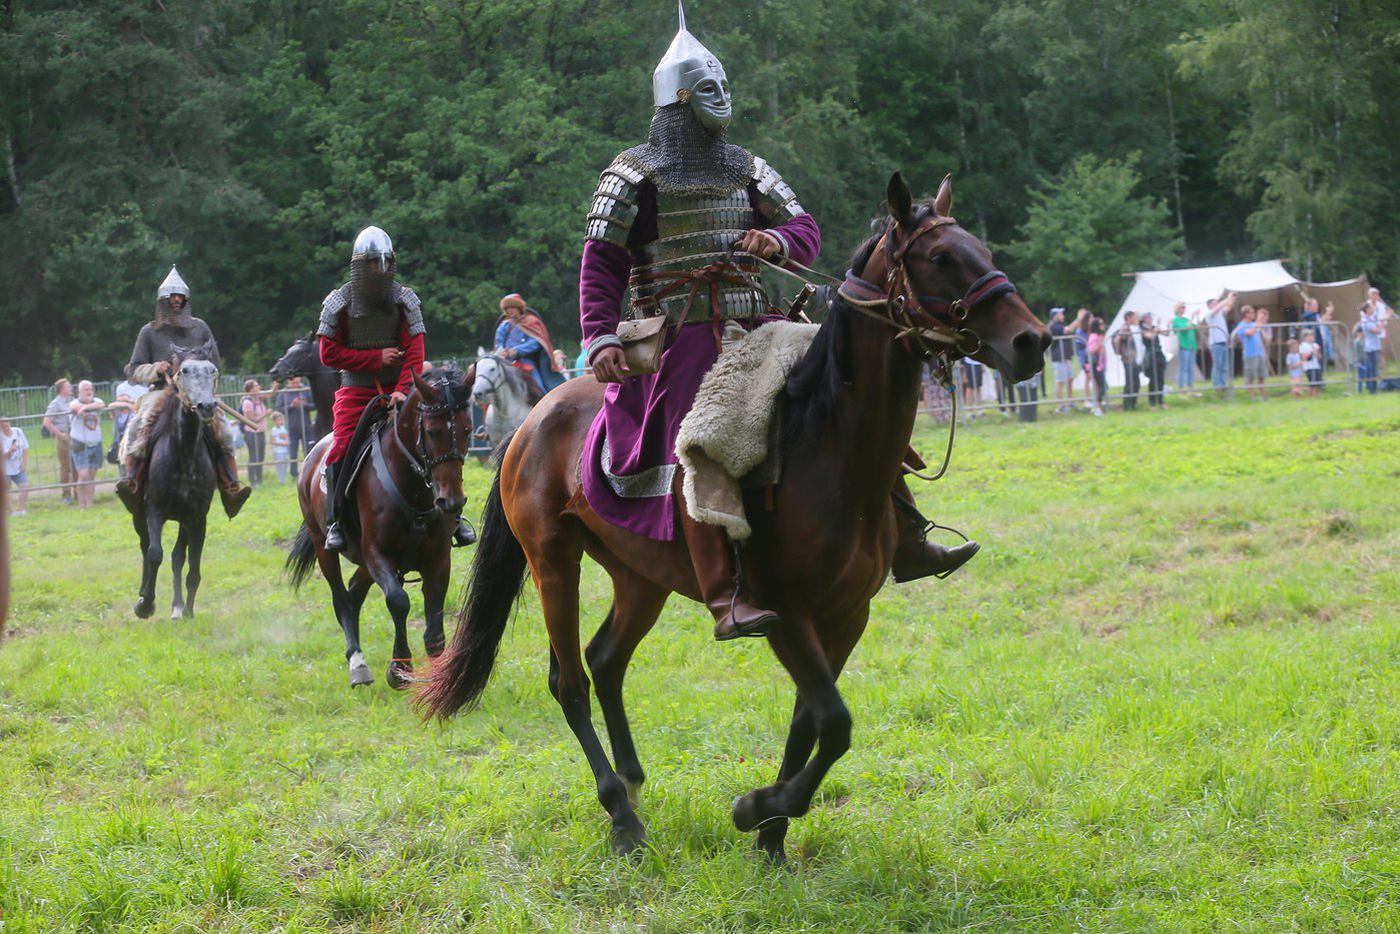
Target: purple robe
{"points": [[633, 438]]}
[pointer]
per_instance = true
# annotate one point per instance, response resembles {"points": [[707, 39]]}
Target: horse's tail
{"points": [[498, 572], [301, 558]]}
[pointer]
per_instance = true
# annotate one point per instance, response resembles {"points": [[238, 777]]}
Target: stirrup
{"points": [[335, 538], [464, 534]]}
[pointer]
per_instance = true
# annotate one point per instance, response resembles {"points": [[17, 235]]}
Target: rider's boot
{"points": [[464, 534], [718, 574], [129, 487], [232, 493], [914, 555], [335, 538]]}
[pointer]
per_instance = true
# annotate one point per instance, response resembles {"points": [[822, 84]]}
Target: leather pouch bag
{"points": [[643, 342]]}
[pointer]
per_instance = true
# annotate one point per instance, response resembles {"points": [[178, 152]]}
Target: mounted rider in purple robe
{"points": [[670, 222]]}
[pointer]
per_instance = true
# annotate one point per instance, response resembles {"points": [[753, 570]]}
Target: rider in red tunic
{"points": [[372, 331]]}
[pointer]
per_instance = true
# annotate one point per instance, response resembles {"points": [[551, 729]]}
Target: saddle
{"points": [[366, 448], [372, 418]]}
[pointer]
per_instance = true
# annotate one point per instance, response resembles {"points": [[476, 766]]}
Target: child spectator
{"points": [[281, 446], [1094, 363], [14, 450], [1294, 360], [1310, 352]]}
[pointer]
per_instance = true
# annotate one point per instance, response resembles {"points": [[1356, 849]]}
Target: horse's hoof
{"points": [[177, 612], [774, 851], [359, 671], [629, 840], [144, 608], [744, 811], [399, 675]]}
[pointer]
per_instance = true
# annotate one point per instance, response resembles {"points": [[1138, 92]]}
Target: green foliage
{"points": [[249, 141], [1157, 700], [1086, 228]]}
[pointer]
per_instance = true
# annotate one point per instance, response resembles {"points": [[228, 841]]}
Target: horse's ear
{"points": [[207, 348], [900, 200], [425, 389], [480, 351], [176, 352], [943, 201]]}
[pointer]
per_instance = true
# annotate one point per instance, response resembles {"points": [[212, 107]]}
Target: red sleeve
{"points": [[336, 354], [412, 358]]}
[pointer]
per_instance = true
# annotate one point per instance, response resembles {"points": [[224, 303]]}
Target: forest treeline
{"points": [[248, 140]]}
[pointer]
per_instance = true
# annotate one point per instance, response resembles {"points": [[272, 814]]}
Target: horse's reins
{"points": [[900, 301]]}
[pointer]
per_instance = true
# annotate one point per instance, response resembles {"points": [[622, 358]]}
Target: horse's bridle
{"points": [[502, 367], [901, 303], [418, 458]]}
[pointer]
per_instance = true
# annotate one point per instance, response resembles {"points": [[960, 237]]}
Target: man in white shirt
{"points": [[85, 436]]}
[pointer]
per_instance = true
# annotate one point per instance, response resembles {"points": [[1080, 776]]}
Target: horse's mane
{"points": [[814, 385]]}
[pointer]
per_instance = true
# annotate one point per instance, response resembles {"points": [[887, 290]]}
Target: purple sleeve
{"points": [[602, 279], [802, 239]]}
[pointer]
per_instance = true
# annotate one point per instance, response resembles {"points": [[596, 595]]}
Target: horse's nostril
{"points": [[441, 503]]}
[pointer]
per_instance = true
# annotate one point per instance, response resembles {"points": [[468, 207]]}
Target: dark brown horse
{"points": [[816, 558], [400, 518]]}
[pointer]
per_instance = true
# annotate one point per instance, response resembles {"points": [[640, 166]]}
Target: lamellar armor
{"points": [[701, 185], [372, 301]]}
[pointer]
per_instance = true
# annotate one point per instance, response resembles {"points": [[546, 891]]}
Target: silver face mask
{"points": [[690, 73]]}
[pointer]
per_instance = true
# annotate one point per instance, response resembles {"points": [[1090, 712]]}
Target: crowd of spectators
{"points": [[1214, 343]]}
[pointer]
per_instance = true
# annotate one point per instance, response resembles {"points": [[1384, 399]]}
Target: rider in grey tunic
{"points": [[172, 330]]}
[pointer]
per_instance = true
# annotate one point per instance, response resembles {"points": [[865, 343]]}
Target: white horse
{"points": [[504, 392]]}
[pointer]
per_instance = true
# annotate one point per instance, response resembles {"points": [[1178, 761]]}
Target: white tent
{"points": [[1262, 284]]}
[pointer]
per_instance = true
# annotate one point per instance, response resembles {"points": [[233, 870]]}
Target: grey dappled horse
{"points": [[505, 392]]}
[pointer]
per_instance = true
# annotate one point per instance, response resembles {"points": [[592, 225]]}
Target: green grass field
{"points": [[1166, 696]]}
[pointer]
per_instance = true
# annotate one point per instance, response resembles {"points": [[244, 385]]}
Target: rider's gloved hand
{"points": [[610, 366], [390, 356]]}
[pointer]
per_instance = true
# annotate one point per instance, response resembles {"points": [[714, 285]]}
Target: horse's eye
{"points": [[939, 259]]}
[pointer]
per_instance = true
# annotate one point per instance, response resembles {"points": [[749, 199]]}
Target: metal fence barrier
{"points": [[981, 390]]}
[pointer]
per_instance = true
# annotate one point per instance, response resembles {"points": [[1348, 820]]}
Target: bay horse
{"points": [[180, 481], [303, 359], [399, 517], [505, 392], [818, 555]]}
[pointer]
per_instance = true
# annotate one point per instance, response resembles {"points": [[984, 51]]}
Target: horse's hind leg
{"points": [[556, 570], [636, 605], [196, 555], [151, 558], [347, 614], [177, 570], [435, 581]]}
